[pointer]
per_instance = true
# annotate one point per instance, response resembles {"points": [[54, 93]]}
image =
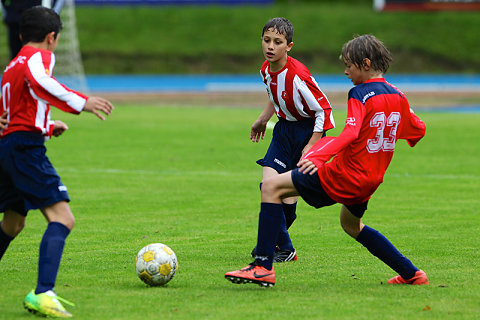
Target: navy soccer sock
{"points": [[383, 249], [5, 240], [290, 213], [270, 222], [283, 241], [51, 250]]}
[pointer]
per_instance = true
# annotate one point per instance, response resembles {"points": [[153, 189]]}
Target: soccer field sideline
{"points": [[450, 93]]}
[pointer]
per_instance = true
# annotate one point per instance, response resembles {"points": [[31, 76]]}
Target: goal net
{"points": [[69, 66]]}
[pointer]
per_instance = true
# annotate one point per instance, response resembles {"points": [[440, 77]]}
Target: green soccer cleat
{"points": [[46, 304]]}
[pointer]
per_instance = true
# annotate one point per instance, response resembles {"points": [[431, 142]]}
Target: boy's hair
{"points": [[282, 26], [37, 22], [367, 46]]}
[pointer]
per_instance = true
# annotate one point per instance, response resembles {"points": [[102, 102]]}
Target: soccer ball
{"points": [[156, 264]]}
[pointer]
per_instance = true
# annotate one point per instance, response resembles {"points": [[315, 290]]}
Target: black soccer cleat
{"points": [[280, 255]]}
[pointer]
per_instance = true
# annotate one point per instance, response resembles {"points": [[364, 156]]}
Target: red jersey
{"points": [[378, 114], [296, 96], [28, 90]]}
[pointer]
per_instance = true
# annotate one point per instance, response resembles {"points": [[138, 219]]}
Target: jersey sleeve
{"points": [[413, 130], [327, 147], [316, 104], [48, 89]]}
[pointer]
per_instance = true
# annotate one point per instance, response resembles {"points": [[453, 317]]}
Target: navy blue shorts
{"points": [[310, 189], [289, 139], [27, 178]]}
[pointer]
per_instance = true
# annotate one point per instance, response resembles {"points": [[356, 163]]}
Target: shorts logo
{"points": [[62, 188], [280, 163]]}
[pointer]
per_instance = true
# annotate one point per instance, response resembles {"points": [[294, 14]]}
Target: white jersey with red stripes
{"points": [[296, 95], [28, 91]]}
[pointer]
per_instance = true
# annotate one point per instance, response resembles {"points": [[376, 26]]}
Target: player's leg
{"points": [[378, 245], [11, 204], [43, 299], [271, 218], [282, 155], [60, 223], [290, 210], [285, 251], [274, 194], [11, 225]]}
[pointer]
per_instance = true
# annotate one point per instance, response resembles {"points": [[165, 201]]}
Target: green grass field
{"points": [[187, 177], [226, 39]]}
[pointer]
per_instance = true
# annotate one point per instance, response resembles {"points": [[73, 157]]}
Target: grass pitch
{"points": [[187, 177]]}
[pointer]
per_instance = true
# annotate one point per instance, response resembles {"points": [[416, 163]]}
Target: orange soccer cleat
{"points": [[253, 274], [419, 278]]}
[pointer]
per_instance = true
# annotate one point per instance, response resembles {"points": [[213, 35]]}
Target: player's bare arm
{"points": [[315, 137], [260, 125], [59, 127], [96, 105], [3, 120]]}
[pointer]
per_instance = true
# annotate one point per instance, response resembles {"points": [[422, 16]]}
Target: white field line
{"points": [[152, 172], [233, 173]]}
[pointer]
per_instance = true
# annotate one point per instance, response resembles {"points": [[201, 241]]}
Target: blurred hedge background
{"points": [[226, 39]]}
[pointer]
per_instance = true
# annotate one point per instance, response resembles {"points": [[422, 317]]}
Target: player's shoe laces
{"points": [[253, 274], [419, 278], [46, 304], [280, 255]]}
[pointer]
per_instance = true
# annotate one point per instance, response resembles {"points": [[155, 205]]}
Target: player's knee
{"points": [[13, 222], [19, 227], [13, 228], [269, 187], [351, 229], [69, 222]]}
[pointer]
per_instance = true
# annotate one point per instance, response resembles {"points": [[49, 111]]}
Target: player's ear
{"points": [[289, 46], [50, 37], [366, 64]]}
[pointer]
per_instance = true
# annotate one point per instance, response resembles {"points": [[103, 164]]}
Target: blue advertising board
{"points": [[426, 5], [172, 2]]}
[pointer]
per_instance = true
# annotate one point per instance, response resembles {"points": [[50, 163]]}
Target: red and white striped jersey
{"points": [[28, 90], [296, 95]]}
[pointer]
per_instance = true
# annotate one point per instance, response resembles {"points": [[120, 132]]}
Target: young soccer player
{"points": [[27, 178], [378, 115], [304, 114]]}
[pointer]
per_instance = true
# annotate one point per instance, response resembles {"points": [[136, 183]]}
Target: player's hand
{"points": [[97, 104], [59, 127], [257, 131], [3, 120], [306, 166]]}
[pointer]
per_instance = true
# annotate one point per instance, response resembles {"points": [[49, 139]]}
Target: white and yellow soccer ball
{"points": [[156, 264]]}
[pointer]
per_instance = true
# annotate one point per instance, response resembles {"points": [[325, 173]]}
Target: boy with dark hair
{"points": [[27, 178], [378, 115], [304, 114]]}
